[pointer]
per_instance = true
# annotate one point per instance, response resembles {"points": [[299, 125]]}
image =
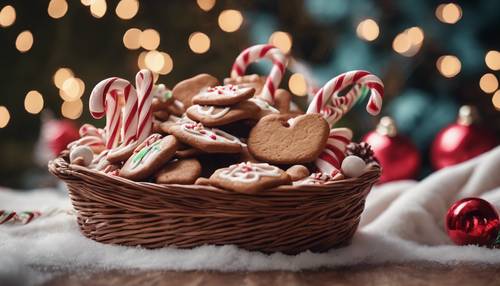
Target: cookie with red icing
{"points": [[249, 177], [253, 80], [212, 116], [210, 140], [224, 95], [149, 156]]}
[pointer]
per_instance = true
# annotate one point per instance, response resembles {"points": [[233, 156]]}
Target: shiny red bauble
{"points": [[472, 221], [461, 141], [397, 155]]}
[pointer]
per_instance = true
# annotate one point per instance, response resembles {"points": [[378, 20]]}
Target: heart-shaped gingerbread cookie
{"points": [[276, 141]]}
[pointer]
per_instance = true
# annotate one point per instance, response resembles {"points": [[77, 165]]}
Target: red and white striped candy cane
{"points": [[144, 86], [256, 53], [330, 160], [104, 100], [327, 102]]}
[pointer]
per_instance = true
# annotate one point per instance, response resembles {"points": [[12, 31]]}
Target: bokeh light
{"points": [[131, 39], [33, 102], [154, 61], [61, 75], [168, 64], [449, 13], [368, 30], [24, 41], [492, 60], [495, 99], [86, 2], [150, 39], [281, 40], [448, 65], [7, 16], [98, 8], [199, 42], [206, 5], [230, 20], [409, 42], [297, 84], [72, 89], [488, 83], [72, 109], [4, 116], [141, 60], [127, 9], [57, 8]]}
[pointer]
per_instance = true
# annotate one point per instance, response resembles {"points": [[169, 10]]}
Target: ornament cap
{"points": [[387, 126], [467, 115]]}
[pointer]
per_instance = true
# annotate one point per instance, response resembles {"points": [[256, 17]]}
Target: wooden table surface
{"points": [[393, 274]]}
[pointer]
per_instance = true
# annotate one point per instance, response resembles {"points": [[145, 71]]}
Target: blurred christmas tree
{"points": [[433, 57]]}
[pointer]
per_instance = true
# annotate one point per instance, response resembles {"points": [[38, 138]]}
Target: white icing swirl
{"points": [[212, 111], [249, 172], [263, 104]]}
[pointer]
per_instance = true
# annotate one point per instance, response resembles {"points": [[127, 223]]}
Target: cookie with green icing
{"points": [[149, 156]]}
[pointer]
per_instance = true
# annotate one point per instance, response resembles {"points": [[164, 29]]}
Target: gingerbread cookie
{"points": [[184, 171], [162, 97], [176, 108], [207, 139], [297, 172], [174, 120], [212, 116], [283, 99], [223, 95], [149, 156], [161, 115], [185, 151], [202, 181], [252, 80], [121, 153], [265, 107], [295, 141], [249, 177], [186, 89]]}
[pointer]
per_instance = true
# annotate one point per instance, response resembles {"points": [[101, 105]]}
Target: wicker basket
{"points": [[286, 219]]}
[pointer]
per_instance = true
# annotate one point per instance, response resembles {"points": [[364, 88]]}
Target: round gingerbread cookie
{"points": [[212, 116], [206, 139], [294, 141], [223, 95], [186, 89], [184, 171], [149, 156], [249, 177]]}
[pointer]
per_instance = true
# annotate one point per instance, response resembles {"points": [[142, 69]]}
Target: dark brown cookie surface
{"points": [[206, 139], [249, 177], [212, 116], [149, 156], [184, 171], [223, 95], [186, 89], [297, 141]]}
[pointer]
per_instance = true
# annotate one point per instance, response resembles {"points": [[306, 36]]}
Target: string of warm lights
{"points": [[71, 88]]}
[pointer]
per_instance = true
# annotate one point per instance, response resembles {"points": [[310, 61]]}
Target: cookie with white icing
{"points": [[186, 89], [210, 140], [212, 116], [149, 156], [184, 171], [249, 177], [224, 95]]}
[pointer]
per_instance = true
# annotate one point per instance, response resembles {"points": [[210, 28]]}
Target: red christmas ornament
{"points": [[472, 221], [461, 141], [397, 155], [58, 134]]}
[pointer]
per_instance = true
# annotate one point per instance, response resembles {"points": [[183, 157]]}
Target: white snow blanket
{"points": [[402, 221]]}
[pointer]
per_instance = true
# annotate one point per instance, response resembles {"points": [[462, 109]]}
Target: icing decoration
{"points": [[209, 111], [249, 172], [225, 90], [263, 104], [209, 134], [256, 53], [150, 146]]}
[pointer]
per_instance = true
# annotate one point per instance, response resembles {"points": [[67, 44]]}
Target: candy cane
{"points": [[144, 86], [90, 130], [327, 100], [254, 54], [330, 159], [104, 100]]}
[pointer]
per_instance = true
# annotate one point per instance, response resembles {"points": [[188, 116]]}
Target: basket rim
{"points": [[62, 168]]}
